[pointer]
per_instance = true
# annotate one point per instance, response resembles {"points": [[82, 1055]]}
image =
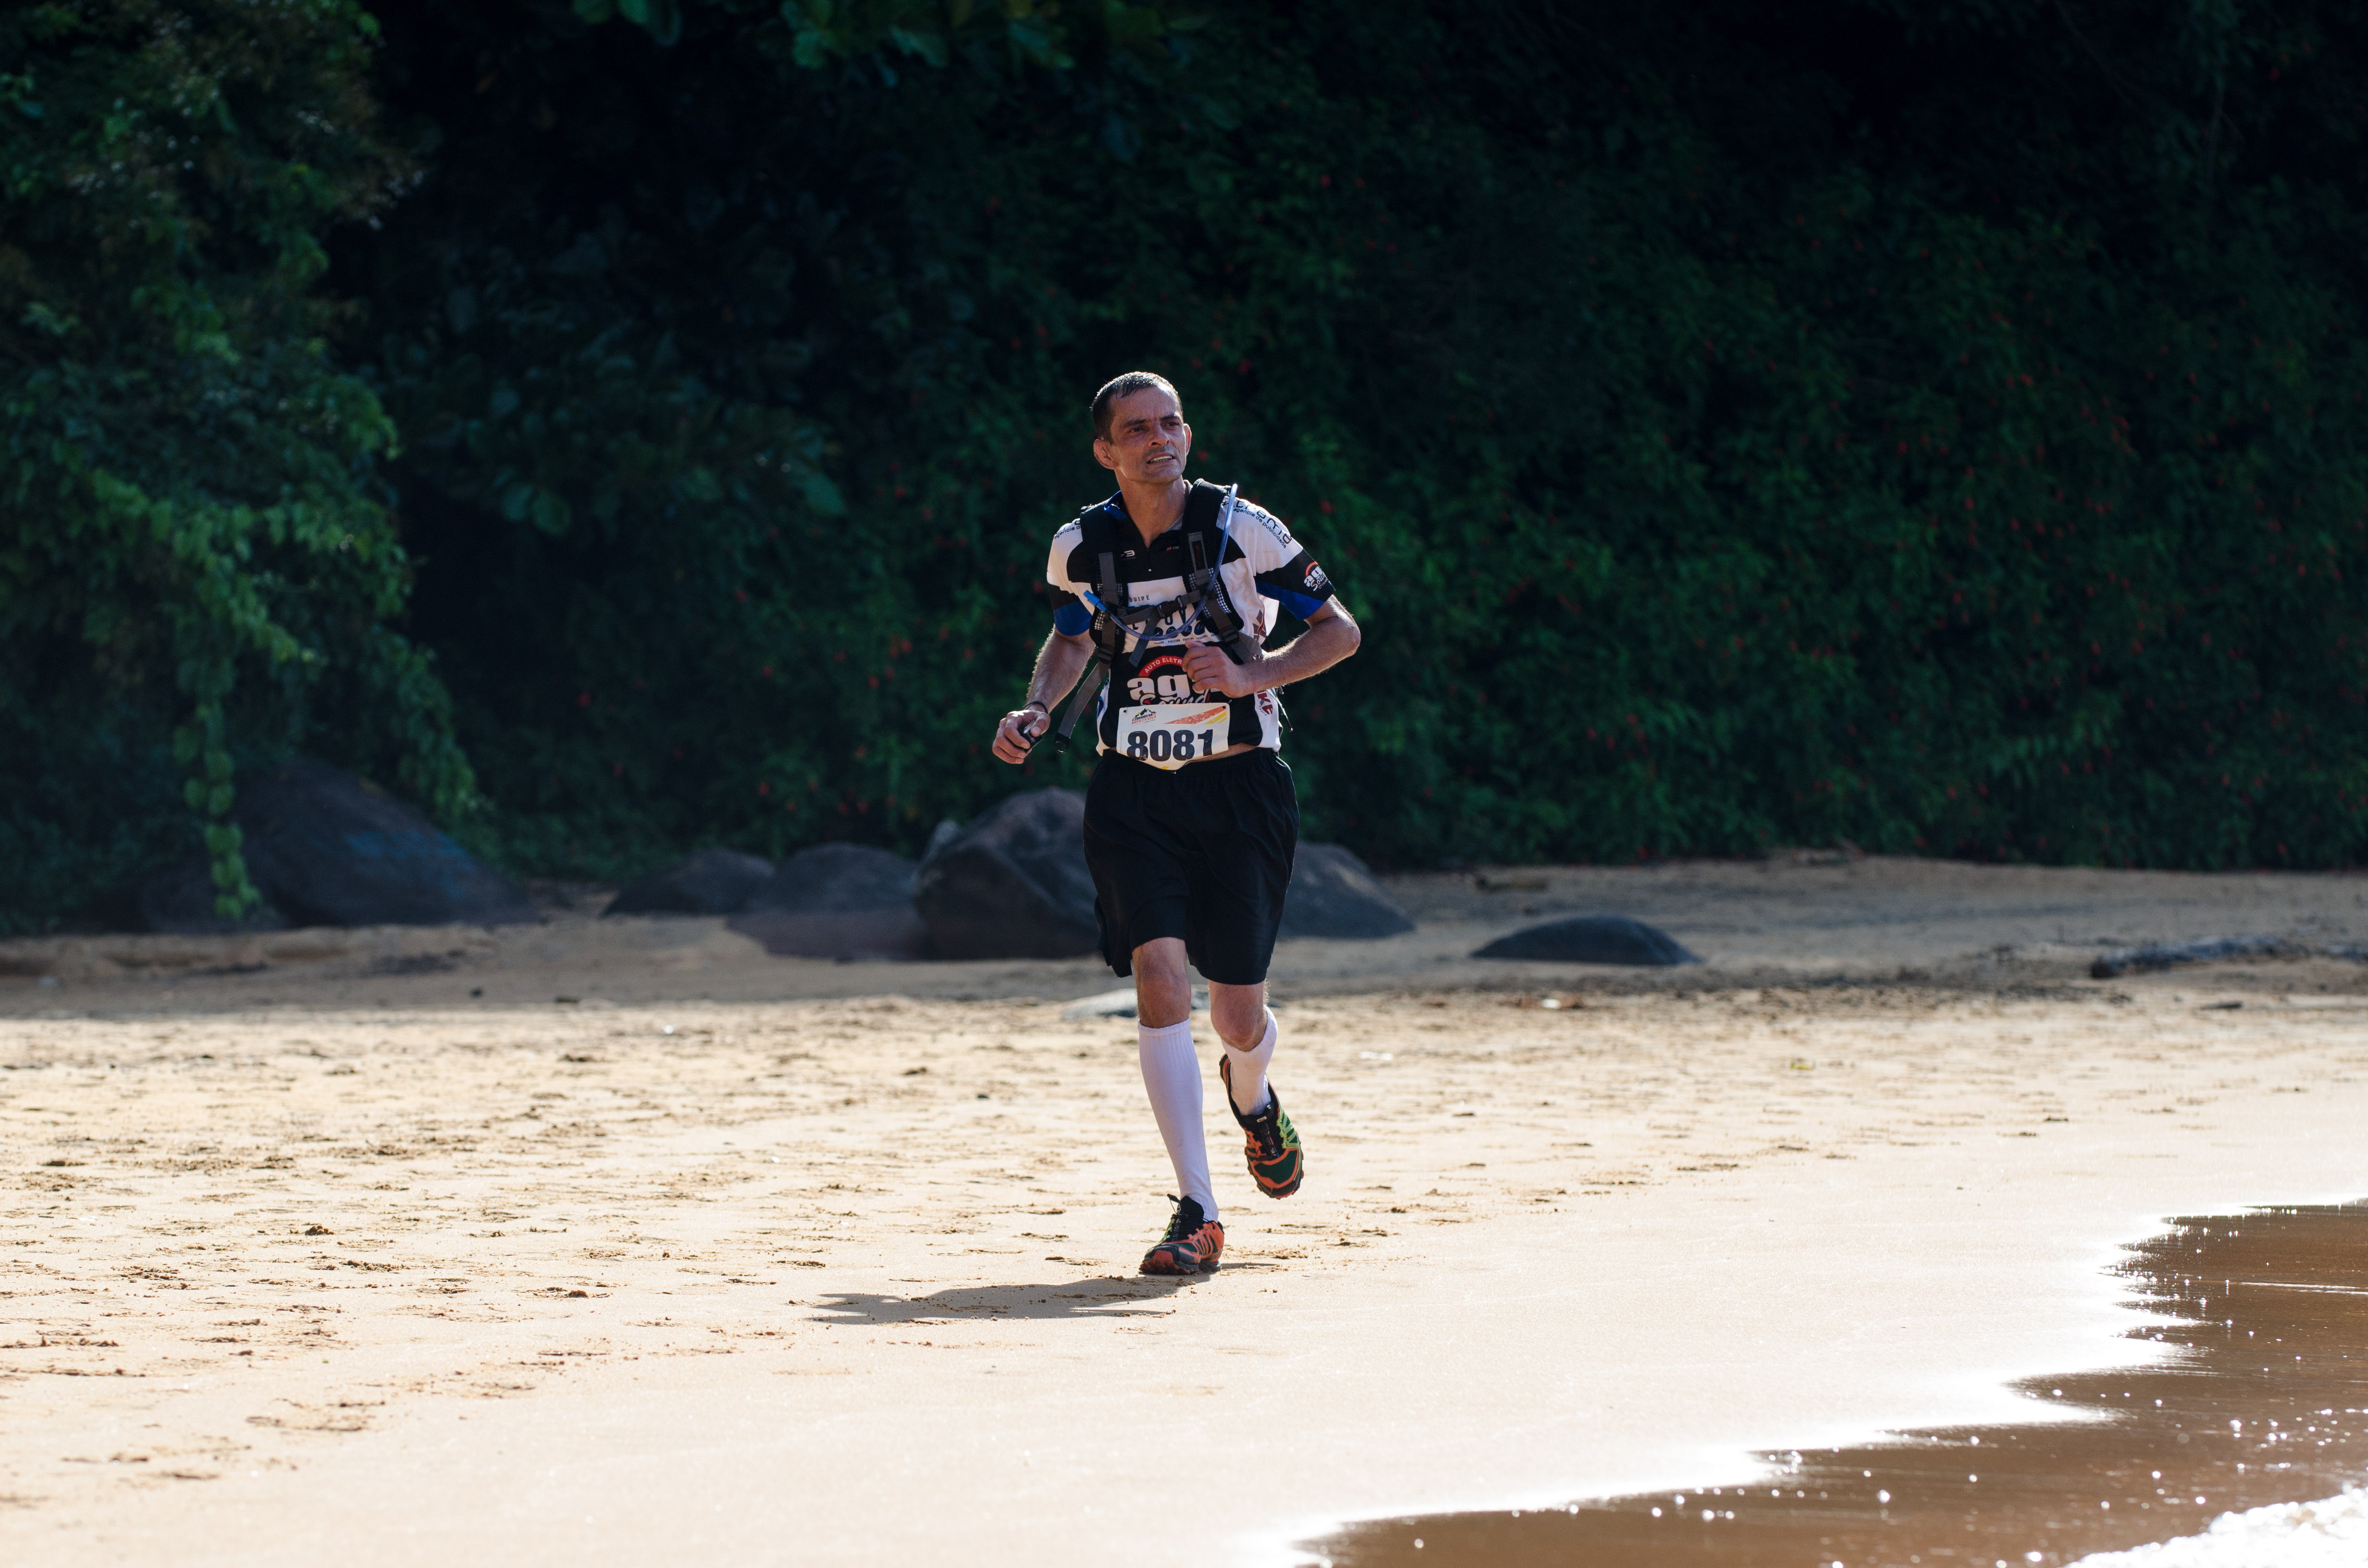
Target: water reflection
{"points": [[2262, 1404]]}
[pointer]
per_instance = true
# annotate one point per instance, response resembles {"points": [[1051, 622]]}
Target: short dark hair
{"points": [[1122, 386]]}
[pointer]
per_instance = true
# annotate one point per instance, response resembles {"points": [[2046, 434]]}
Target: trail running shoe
{"points": [[1276, 1160], [1190, 1246]]}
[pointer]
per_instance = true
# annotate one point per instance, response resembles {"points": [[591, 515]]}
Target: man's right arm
{"points": [[1058, 664]]}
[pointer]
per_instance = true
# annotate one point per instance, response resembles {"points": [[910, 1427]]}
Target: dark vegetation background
{"points": [[633, 425]]}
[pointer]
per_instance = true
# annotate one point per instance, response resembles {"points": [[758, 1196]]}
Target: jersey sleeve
{"points": [[1070, 615], [1284, 571]]}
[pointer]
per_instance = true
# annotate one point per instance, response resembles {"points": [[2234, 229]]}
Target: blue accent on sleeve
{"points": [[1299, 605], [1071, 620]]}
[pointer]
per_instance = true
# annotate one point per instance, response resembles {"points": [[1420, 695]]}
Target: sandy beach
{"points": [[366, 1245]]}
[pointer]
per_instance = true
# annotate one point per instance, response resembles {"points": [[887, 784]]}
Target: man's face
{"points": [[1148, 439]]}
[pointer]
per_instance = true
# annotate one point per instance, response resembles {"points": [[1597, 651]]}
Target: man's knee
{"points": [[1238, 1014], [1161, 960], [1163, 989]]}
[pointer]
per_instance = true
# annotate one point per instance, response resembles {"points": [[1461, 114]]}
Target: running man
{"points": [[1190, 819]]}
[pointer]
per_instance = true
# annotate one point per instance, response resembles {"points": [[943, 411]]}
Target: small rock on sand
{"points": [[1107, 1005], [1121, 1004], [2168, 955], [1591, 938]]}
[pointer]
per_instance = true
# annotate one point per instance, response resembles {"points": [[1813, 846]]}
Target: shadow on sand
{"points": [[1102, 1296]]}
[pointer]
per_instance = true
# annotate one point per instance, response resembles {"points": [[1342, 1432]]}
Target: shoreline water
{"points": [[2262, 1403]]}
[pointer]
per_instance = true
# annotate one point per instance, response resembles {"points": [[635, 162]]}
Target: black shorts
{"points": [[1202, 853]]}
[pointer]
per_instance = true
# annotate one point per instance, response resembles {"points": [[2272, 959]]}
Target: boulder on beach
{"points": [[836, 901], [1013, 885], [1333, 893], [177, 899], [945, 832], [1591, 938], [712, 881], [332, 850], [326, 848]]}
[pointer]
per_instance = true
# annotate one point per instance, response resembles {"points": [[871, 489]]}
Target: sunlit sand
{"points": [[338, 1260]]}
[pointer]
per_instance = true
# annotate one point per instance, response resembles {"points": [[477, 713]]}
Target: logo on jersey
{"points": [[1160, 680], [1316, 581]]}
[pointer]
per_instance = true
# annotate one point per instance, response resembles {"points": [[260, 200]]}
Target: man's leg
{"points": [[1249, 821], [1138, 860], [1163, 983], [1248, 1028], [1171, 1068]]}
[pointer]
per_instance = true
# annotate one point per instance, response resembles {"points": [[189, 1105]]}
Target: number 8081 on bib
{"points": [[1169, 735]]}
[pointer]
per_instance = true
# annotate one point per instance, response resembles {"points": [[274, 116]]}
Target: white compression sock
{"points": [[1172, 1076], [1248, 1072]]}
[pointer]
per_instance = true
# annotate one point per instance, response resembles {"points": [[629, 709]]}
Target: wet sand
{"points": [[333, 1258], [2264, 1402]]}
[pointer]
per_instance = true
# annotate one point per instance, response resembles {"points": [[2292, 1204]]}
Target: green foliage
{"points": [[190, 538], [661, 295], [1936, 426], [1730, 432]]}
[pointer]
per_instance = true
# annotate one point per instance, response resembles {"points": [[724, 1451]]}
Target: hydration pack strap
{"points": [[1206, 587], [1204, 590], [1110, 642], [1109, 625], [1087, 689]]}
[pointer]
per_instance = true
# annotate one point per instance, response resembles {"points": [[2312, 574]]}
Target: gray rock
{"points": [[836, 901], [1591, 938], [1013, 885], [2169, 955], [326, 848], [1104, 1004], [177, 898], [1121, 1004], [1333, 893], [712, 881]]}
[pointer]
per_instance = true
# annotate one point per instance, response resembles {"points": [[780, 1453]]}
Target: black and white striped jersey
{"points": [[1260, 561]]}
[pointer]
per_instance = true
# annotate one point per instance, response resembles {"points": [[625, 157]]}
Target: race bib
{"points": [[1168, 735]]}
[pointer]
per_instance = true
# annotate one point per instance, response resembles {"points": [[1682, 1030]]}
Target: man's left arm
{"points": [[1331, 636]]}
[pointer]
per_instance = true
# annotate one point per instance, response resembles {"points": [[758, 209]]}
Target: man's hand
{"points": [[1019, 733], [1211, 671]]}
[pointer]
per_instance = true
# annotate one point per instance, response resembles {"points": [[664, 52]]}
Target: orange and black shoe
{"points": [[1276, 1160], [1192, 1245]]}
